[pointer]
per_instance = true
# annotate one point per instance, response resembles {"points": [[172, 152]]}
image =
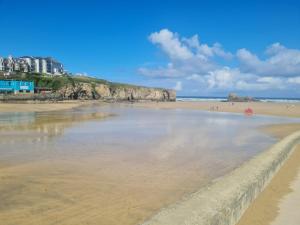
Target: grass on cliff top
{"points": [[86, 79], [57, 82]]}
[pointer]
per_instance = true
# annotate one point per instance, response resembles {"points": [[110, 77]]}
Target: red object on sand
{"points": [[248, 112]]}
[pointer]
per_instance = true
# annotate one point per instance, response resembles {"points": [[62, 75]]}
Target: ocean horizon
{"points": [[221, 99]]}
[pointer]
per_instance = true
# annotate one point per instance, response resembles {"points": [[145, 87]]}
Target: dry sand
{"points": [[276, 204], [264, 108], [279, 203], [289, 205]]}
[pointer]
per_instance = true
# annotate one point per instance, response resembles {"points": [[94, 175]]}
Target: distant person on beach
{"points": [[248, 112]]}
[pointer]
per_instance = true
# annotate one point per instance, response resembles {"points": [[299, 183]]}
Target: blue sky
{"points": [[198, 47]]}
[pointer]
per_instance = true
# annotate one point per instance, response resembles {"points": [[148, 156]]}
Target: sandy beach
{"points": [[38, 107], [71, 185], [262, 108], [54, 170]]}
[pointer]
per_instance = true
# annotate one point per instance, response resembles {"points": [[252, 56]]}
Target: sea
{"points": [[222, 99]]}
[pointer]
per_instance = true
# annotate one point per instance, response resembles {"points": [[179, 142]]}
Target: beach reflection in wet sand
{"points": [[74, 167]]}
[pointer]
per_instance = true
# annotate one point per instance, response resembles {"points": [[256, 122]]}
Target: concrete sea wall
{"points": [[224, 201]]}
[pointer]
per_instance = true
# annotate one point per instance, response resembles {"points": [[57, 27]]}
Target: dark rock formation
{"points": [[232, 97], [115, 92]]}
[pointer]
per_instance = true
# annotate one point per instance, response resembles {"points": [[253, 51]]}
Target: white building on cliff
{"points": [[45, 65]]}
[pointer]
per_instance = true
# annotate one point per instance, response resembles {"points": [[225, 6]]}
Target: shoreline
{"points": [[259, 108]]}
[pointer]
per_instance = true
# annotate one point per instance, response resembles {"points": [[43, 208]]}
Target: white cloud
{"points": [[271, 80], [223, 78], [294, 80], [246, 86], [186, 48], [187, 56], [197, 65], [261, 83], [195, 77], [178, 86], [203, 50], [280, 61], [170, 44], [233, 79]]}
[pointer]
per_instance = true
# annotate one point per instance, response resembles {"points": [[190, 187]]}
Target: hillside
{"points": [[79, 87]]}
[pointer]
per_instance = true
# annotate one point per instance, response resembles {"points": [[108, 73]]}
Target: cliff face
{"points": [[114, 92]]}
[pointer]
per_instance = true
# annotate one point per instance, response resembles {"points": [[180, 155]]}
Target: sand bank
{"points": [[38, 107], [263, 108]]}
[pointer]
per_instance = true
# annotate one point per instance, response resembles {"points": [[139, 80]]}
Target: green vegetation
{"points": [[57, 82], [53, 82], [42, 80]]}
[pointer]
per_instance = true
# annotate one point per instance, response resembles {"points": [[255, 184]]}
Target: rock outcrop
{"points": [[115, 92], [232, 97], [77, 91]]}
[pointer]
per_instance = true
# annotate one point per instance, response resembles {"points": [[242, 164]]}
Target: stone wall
{"points": [[224, 201]]}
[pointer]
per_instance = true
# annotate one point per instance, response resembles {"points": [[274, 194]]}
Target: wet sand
{"points": [[54, 170], [38, 107], [281, 130], [263, 108], [279, 203], [59, 171], [69, 193]]}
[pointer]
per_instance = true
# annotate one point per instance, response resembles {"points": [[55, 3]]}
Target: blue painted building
{"points": [[16, 86]]}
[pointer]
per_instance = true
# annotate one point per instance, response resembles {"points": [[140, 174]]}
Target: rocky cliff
{"points": [[115, 92]]}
